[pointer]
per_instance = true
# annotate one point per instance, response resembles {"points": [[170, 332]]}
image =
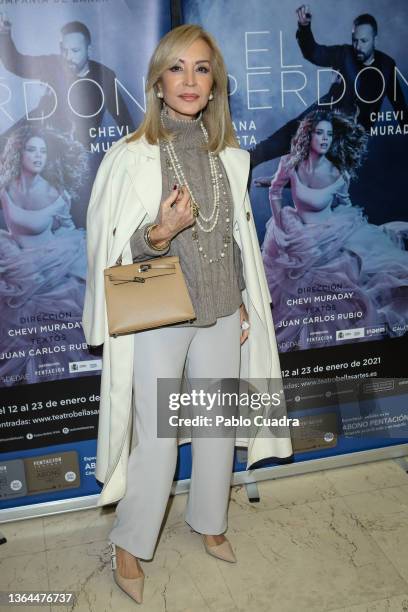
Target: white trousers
{"points": [[205, 352]]}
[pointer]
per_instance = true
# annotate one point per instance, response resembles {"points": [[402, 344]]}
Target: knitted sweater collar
{"points": [[187, 132]]}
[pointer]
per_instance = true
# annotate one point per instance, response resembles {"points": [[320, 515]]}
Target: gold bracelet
{"points": [[148, 241]]}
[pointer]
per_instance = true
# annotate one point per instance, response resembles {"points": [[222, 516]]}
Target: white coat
{"points": [[125, 195]]}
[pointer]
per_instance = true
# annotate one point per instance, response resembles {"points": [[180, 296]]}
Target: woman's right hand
{"points": [[175, 214]]}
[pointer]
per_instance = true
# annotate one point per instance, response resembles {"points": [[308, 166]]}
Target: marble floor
{"points": [[334, 540]]}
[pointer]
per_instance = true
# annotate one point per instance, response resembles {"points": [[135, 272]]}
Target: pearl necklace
{"points": [[214, 216]]}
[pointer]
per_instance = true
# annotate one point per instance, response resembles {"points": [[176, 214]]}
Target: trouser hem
{"points": [[204, 531], [125, 545]]}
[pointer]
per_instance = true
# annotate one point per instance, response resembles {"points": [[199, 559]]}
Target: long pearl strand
{"points": [[214, 216]]}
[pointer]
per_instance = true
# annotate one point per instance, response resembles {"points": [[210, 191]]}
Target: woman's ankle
{"points": [[128, 565], [214, 540]]}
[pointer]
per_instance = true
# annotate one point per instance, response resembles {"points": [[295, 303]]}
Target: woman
{"points": [[178, 187], [41, 253], [347, 272]]}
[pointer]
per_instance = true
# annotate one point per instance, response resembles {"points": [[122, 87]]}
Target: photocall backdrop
{"points": [[61, 121], [338, 285]]}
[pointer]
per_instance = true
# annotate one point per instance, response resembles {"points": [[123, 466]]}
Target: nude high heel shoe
{"points": [[222, 551], [131, 586]]}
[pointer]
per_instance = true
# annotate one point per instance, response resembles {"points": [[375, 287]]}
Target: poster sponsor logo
{"points": [[16, 485], [374, 331], [400, 328], [52, 472], [85, 366], [12, 479], [319, 336], [349, 334]]}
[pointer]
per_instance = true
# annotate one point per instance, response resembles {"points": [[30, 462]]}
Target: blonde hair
{"points": [[215, 116]]}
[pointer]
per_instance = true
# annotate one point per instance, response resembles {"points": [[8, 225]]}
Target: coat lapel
{"points": [[145, 173]]}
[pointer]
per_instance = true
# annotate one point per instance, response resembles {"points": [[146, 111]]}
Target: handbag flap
{"points": [[142, 270]]}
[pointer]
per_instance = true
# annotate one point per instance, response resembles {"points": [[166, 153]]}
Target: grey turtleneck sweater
{"points": [[215, 289]]}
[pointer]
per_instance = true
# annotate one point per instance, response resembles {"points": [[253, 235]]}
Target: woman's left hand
{"points": [[243, 315]]}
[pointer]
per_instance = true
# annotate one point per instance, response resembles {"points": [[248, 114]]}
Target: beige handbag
{"points": [[146, 295]]}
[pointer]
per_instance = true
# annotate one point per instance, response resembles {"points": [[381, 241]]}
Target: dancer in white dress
{"points": [[347, 272], [42, 253]]}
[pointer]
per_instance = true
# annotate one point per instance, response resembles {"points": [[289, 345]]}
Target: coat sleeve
{"points": [[256, 251]]}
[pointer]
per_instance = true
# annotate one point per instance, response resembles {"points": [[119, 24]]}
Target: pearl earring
{"points": [[159, 94], [211, 97]]}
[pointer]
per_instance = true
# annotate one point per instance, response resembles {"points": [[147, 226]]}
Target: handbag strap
{"points": [[156, 266], [122, 281], [117, 280]]}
